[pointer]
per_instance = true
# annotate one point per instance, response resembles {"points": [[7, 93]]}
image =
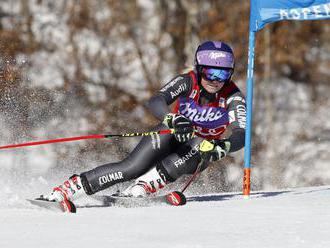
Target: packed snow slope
{"points": [[287, 218]]}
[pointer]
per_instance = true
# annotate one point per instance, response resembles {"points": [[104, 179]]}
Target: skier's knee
{"points": [[166, 175], [173, 167]]}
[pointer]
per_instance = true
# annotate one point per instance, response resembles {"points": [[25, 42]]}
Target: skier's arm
{"points": [[236, 139], [178, 86], [237, 121], [158, 106], [217, 149]]}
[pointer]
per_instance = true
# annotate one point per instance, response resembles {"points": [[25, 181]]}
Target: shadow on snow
{"points": [[261, 194], [224, 197]]}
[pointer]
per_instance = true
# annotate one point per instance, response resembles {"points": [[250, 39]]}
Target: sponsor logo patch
{"points": [[171, 84], [206, 114], [184, 158], [181, 88], [110, 177], [216, 55], [241, 115]]}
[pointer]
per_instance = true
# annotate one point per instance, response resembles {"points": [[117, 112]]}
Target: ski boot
{"points": [[147, 184], [65, 193]]}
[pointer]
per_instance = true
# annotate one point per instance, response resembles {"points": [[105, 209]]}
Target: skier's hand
{"points": [[214, 150], [183, 127]]}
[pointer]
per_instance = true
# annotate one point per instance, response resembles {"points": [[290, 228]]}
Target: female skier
{"points": [[207, 103]]}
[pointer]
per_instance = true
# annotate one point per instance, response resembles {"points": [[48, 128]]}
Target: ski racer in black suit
{"points": [[207, 102]]}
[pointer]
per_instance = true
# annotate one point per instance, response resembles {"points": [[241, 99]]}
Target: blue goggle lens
{"points": [[212, 74]]}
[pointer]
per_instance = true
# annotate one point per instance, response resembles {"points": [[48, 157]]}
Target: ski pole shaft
{"points": [[192, 178], [166, 131], [96, 136], [205, 146]]}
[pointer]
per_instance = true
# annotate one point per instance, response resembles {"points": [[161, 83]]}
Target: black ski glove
{"points": [[214, 150], [183, 127]]}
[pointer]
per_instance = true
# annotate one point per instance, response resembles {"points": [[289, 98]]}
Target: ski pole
{"points": [[86, 137], [192, 178], [177, 198], [204, 147]]}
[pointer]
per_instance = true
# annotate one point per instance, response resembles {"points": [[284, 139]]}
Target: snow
{"points": [[292, 218]]}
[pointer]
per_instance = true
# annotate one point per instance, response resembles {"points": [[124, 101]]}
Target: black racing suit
{"points": [[171, 158]]}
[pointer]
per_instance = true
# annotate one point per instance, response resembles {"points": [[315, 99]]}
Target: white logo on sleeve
{"points": [[241, 115], [171, 84]]}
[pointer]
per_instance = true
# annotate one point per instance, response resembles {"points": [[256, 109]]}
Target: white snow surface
{"points": [[293, 218]]}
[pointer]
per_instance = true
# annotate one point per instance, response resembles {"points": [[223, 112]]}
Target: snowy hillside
{"points": [[289, 218]]}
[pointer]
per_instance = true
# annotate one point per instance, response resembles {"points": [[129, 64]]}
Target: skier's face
{"points": [[212, 86], [213, 79]]}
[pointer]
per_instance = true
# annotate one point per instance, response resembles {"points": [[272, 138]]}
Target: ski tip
{"points": [[64, 206], [71, 207], [176, 198]]}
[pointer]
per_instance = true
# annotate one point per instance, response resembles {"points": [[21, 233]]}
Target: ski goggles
{"points": [[213, 74]]}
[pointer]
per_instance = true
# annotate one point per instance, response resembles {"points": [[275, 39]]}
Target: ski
{"points": [[174, 198], [53, 205]]}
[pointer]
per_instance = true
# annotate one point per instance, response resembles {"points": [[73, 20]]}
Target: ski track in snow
{"points": [[289, 218]]}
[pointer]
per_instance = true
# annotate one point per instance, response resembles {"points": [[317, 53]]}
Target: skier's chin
{"points": [[212, 88]]}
